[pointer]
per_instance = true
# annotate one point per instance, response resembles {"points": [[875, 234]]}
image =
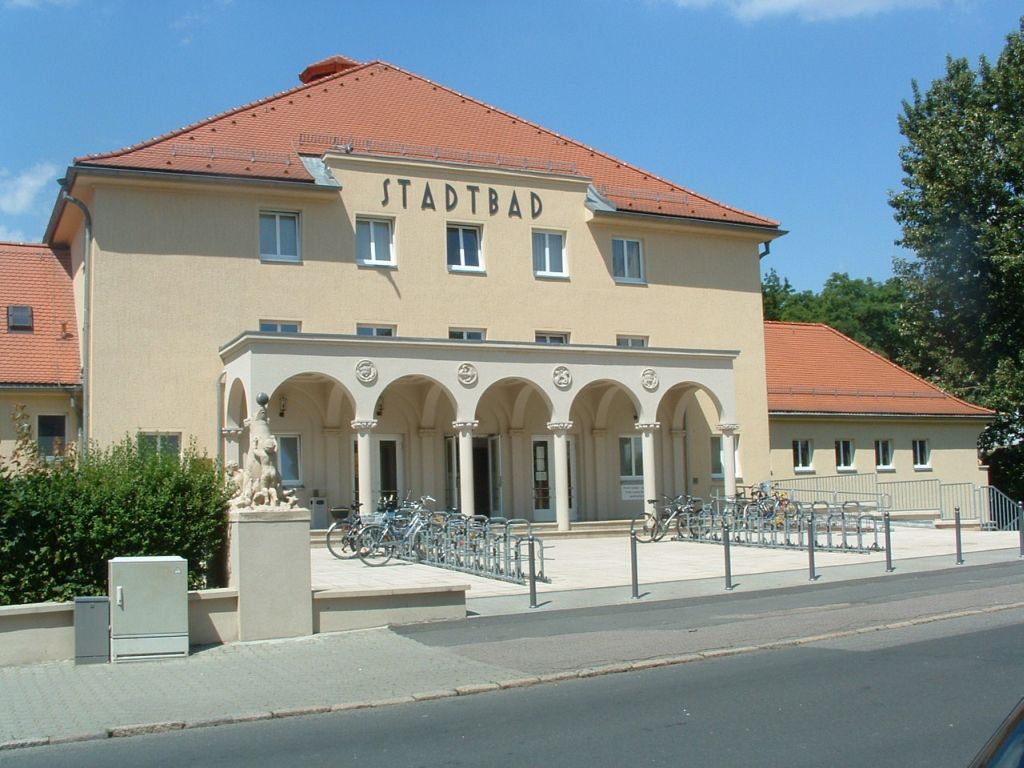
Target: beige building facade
{"points": [[540, 376]]}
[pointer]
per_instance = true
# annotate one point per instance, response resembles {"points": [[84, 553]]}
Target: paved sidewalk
{"points": [[51, 702]]}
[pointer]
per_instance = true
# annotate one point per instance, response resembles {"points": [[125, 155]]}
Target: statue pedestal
{"points": [[270, 567]]}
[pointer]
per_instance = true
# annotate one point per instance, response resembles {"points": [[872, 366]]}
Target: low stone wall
{"points": [[37, 632], [335, 610], [46, 631]]}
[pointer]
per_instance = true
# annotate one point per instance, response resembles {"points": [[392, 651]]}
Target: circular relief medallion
{"points": [[366, 371], [562, 377], [468, 375], [649, 379]]}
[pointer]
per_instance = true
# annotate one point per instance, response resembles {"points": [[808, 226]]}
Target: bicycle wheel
{"points": [[375, 545], [341, 541], [660, 529], [649, 526]]}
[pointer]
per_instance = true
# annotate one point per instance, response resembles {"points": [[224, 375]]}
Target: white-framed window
{"points": [[635, 342], [19, 318], [883, 454], [549, 254], [803, 456], [844, 454], [464, 251], [279, 236], [51, 435], [922, 454], [289, 455], [365, 329], [628, 261], [466, 334], [631, 457], [375, 242], [280, 326], [547, 337], [161, 442]]}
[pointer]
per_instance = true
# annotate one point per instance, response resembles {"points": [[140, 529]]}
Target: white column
{"points": [[680, 472], [363, 430], [520, 503], [650, 468], [232, 450], [561, 450], [602, 491], [729, 458], [467, 503]]}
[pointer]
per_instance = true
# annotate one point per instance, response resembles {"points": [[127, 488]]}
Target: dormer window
{"points": [[19, 318]]}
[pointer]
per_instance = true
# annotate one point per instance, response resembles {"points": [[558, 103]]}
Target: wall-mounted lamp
{"points": [[282, 406], [379, 410]]}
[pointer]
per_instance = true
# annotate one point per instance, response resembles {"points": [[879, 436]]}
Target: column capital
{"points": [[465, 426], [728, 429], [364, 425], [516, 431], [230, 432], [599, 432], [678, 432], [427, 432], [648, 427], [559, 426], [334, 431]]}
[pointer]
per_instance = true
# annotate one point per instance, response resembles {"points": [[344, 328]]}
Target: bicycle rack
{"points": [[495, 548], [835, 528]]}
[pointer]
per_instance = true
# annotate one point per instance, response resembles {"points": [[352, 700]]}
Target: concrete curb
{"points": [[124, 731]]}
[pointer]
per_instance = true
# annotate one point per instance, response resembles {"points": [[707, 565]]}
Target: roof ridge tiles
{"points": [[568, 139], [221, 115], [724, 210]]}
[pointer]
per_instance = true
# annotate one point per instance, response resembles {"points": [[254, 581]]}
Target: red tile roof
{"points": [[383, 109], [38, 276], [813, 368]]}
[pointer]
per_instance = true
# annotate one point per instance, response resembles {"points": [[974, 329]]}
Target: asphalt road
{"points": [[921, 694]]}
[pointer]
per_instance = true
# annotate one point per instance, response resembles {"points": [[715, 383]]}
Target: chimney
{"points": [[329, 66]]}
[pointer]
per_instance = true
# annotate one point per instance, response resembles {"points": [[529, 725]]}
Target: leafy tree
{"points": [[863, 309], [961, 208]]}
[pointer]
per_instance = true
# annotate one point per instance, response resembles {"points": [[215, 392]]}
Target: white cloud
{"points": [[809, 10], [11, 235], [12, 4], [18, 193]]}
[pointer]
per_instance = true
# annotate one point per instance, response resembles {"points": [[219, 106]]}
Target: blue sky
{"points": [[783, 107]]}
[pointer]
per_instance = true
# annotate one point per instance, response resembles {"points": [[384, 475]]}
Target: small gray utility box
{"points": [[148, 608]]}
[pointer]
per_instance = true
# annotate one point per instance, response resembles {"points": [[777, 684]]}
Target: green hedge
{"points": [[61, 522]]}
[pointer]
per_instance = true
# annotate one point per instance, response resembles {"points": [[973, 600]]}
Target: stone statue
{"points": [[259, 481]]}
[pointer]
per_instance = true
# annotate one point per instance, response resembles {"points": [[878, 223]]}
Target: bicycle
{"points": [[343, 533], [400, 531], [681, 509]]}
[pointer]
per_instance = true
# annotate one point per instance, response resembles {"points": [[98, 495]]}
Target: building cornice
{"points": [[253, 339]]}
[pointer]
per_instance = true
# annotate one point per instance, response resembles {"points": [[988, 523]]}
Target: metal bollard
{"points": [[888, 544], [959, 548], [632, 562], [728, 557], [1020, 525], [810, 547], [533, 574]]}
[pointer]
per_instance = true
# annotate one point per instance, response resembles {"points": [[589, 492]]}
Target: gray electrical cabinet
{"points": [[148, 608], [92, 630]]}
